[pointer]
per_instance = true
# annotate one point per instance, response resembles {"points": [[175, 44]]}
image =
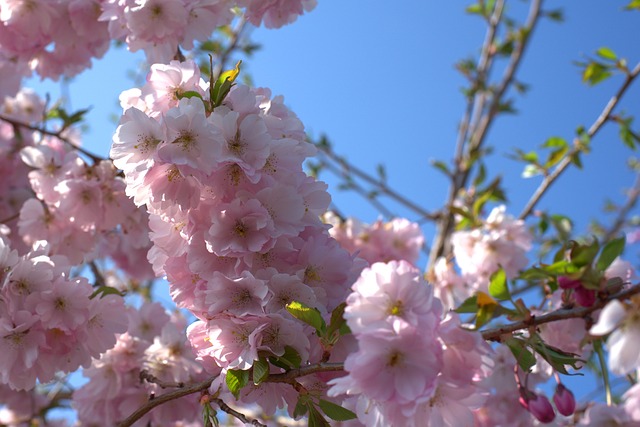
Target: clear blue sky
{"points": [[377, 77]]}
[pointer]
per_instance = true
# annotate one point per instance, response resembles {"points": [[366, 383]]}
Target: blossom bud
{"points": [[566, 283], [564, 400], [539, 406]]}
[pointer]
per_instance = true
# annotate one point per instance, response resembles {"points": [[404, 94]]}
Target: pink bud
{"points": [[585, 297], [564, 400], [565, 283], [541, 408]]}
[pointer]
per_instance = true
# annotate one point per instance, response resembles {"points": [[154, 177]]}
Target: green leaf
{"points": [[441, 166], [634, 4], [236, 380], [337, 319], [526, 359], [260, 371], [475, 8], [104, 291], [562, 267], [309, 315], [498, 285], [556, 15], [336, 412], [606, 53], [470, 305], [535, 273], [610, 252], [555, 141], [583, 255], [301, 407], [316, 419], [290, 359], [595, 73], [224, 84], [189, 94], [557, 358]]}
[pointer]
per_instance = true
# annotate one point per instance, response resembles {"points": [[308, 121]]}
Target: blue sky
{"points": [[378, 78]]}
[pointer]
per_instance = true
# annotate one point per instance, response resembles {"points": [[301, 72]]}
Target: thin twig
{"points": [[632, 201], [287, 377], [242, 417], [577, 145], [164, 398], [58, 134], [233, 45], [350, 169], [472, 136], [360, 190], [495, 334]]}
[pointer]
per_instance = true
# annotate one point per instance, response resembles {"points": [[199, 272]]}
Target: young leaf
{"points": [[336, 412], [309, 315], [260, 371], [301, 407], [290, 359], [498, 285], [526, 360], [236, 380], [610, 252], [337, 319], [470, 305], [316, 419], [606, 53], [223, 85]]}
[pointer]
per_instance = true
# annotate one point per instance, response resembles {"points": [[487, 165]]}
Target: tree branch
{"points": [[495, 334], [350, 169], [593, 130], [632, 201], [242, 417], [58, 134], [164, 398], [472, 136]]}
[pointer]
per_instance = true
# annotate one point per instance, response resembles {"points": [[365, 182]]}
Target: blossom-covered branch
{"points": [[495, 334]]}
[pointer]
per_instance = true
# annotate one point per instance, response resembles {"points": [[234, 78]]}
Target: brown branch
{"points": [[632, 201], [577, 145], [57, 134], [164, 398], [287, 377], [290, 376], [495, 334], [360, 190], [242, 417]]}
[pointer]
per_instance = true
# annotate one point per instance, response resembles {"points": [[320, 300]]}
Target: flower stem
{"points": [[597, 345]]}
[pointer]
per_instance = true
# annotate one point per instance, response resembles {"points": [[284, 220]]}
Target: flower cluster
{"points": [[398, 239], [412, 367], [50, 321], [234, 220], [152, 355], [59, 38], [501, 242]]}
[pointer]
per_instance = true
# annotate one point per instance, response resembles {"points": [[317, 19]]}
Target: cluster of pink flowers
{"points": [[50, 321], [398, 239], [412, 366], [234, 220], [154, 346], [502, 241], [57, 38]]}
